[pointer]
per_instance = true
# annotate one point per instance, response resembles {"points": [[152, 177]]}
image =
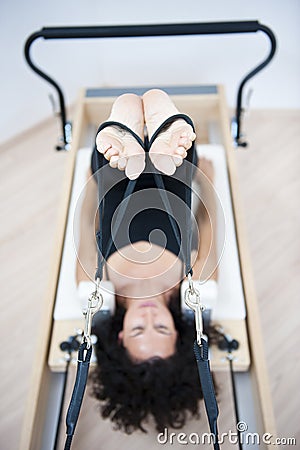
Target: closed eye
{"points": [[163, 329], [136, 331]]}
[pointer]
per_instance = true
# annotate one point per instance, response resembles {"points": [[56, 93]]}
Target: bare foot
{"points": [[118, 146], [170, 147]]}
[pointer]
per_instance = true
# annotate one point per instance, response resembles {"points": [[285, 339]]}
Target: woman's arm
{"points": [[206, 262], [87, 251]]}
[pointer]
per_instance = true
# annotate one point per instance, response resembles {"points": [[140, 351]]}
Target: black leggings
{"points": [[145, 218]]}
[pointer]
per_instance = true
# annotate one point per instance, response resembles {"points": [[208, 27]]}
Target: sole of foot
{"points": [[122, 151], [171, 146]]}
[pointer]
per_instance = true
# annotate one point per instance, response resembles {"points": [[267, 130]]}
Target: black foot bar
{"points": [[145, 31]]}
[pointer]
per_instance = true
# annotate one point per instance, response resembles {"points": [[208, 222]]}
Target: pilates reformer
{"points": [[208, 102]]}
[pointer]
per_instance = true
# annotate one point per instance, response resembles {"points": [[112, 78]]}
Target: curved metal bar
{"points": [[239, 109], [62, 113], [147, 31]]}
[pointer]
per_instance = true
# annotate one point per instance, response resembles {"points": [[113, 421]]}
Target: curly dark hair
{"points": [[168, 389]]}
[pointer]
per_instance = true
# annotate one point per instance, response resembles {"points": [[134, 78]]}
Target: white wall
{"points": [[154, 61]]}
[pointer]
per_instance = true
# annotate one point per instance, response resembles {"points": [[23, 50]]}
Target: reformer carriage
{"points": [[235, 308]]}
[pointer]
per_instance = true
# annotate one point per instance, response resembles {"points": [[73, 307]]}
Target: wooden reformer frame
{"points": [[206, 110], [207, 107]]}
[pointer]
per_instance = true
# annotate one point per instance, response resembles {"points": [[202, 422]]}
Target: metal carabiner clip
{"points": [[95, 302], [192, 300]]}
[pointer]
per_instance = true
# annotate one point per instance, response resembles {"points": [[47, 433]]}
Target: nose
{"points": [[149, 314]]}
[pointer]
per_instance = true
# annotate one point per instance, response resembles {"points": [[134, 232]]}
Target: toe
{"points": [[183, 141], [186, 139], [180, 151], [135, 166], [122, 163], [111, 152], [114, 161], [164, 163], [177, 160], [102, 147]]}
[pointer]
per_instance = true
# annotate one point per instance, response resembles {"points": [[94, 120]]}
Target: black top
{"points": [[145, 217]]}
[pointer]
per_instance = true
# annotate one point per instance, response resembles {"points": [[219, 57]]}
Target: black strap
{"points": [[84, 357], [101, 199], [201, 352], [112, 123], [118, 219], [163, 195], [168, 122], [84, 353], [211, 406], [187, 240], [102, 254]]}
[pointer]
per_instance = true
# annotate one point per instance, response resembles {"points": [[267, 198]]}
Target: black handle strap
{"points": [[187, 238], [84, 357], [211, 406], [103, 254], [168, 122], [113, 123], [201, 352]]}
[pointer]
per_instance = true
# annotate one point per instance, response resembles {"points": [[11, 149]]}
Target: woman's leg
{"points": [[170, 147], [118, 146]]}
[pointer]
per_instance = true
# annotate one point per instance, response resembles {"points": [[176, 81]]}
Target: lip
{"points": [[148, 305]]}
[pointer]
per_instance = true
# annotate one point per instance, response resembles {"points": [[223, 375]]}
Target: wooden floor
{"points": [[31, 175]]}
